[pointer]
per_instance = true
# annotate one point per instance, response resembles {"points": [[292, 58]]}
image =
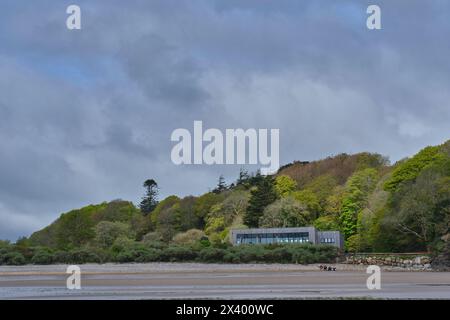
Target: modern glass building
{"points": [[286, 235]]}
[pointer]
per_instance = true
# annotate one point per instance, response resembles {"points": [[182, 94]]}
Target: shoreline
{"points": [[168, 267], [218, 281]]}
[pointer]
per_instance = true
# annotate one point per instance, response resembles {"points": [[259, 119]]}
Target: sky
{"points": [[86, 115]]}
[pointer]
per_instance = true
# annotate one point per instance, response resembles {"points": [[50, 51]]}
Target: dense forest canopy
{"points": [[378, 207]]}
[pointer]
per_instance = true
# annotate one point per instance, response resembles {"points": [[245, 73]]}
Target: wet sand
{"points": [[217, 281]]}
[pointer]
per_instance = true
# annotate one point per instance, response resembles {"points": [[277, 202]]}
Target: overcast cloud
{"points": [[86, 116]]}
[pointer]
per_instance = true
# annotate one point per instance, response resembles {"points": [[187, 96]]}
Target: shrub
{"points": [[138, 253], [248, 253], [62, 257], [84, 256], [107, 232], [152, 237], [212, 255], [178, 253], [122, 244], [147, 255], [12, 259], [189, 237], [43, 257]]}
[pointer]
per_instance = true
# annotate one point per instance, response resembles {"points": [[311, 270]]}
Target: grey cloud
{"points": [[86, 116]]}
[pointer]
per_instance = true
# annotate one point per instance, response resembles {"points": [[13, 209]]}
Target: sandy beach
{"points": [[217, 281]]}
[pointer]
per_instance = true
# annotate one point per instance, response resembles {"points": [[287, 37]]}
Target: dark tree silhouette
{"points": [[149, 201]]}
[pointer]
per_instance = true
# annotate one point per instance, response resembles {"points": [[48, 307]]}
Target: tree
{"points": [[149, 201], [243, 179], [185, 215], [107, 232], [221, 185], [358, 187], [309, 198], [260, 197], [162, 206], [284, 185], [75, 228], [284, 213], [326, 223], [230, 208], [421, 208], [256, 178], [203, 205], [167, 223], [409, 169], [189, 237]]}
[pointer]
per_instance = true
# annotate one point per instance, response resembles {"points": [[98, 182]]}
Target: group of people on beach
{"points": [[327, 268]]}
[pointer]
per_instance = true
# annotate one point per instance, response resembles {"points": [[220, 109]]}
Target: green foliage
{"points": [[358, 187], [215, 225], [152, 237], [325, 223], [244, 179], [260, 197], [225, 214], [116, 211], [284, 185], [107, 232], [163, 206], [43, 257], [310, 199], [354, 243], [189, 237], [185, 215], [212, 254], [74, 229], [11, 258], [378, 208], [409, 169], [77, 228], [322, 187], [285, 212], [204, 203], [290, 253], [4, 244], [150, 200], [420, 210], [221, 186]]}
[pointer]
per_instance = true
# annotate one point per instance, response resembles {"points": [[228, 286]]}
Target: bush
{"points": [[12, 259], [138, 253], [189, 237], [107, 232], [84, 256], [152, 237], [212, 255], [122, 244], [248, 253], [43, 257], [178, 253]]}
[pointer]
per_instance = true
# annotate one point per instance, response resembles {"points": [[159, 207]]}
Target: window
{"points": [[327, 240], [265, 238]]}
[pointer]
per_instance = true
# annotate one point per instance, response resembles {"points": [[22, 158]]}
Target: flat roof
{"points": [[290, 229], [280, 230]]}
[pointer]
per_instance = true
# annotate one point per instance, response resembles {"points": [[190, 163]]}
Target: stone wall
{"points": [[410, 262]]}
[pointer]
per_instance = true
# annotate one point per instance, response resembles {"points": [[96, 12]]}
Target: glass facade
{"points": [[266, 238]]}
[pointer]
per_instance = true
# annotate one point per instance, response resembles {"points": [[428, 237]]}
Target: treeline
{"points": [[378, 207]]}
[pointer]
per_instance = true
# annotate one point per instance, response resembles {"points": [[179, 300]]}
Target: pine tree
{"points": [[149, 201], [221, 185], [243, 178], [256, 179], [260, 197]]}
